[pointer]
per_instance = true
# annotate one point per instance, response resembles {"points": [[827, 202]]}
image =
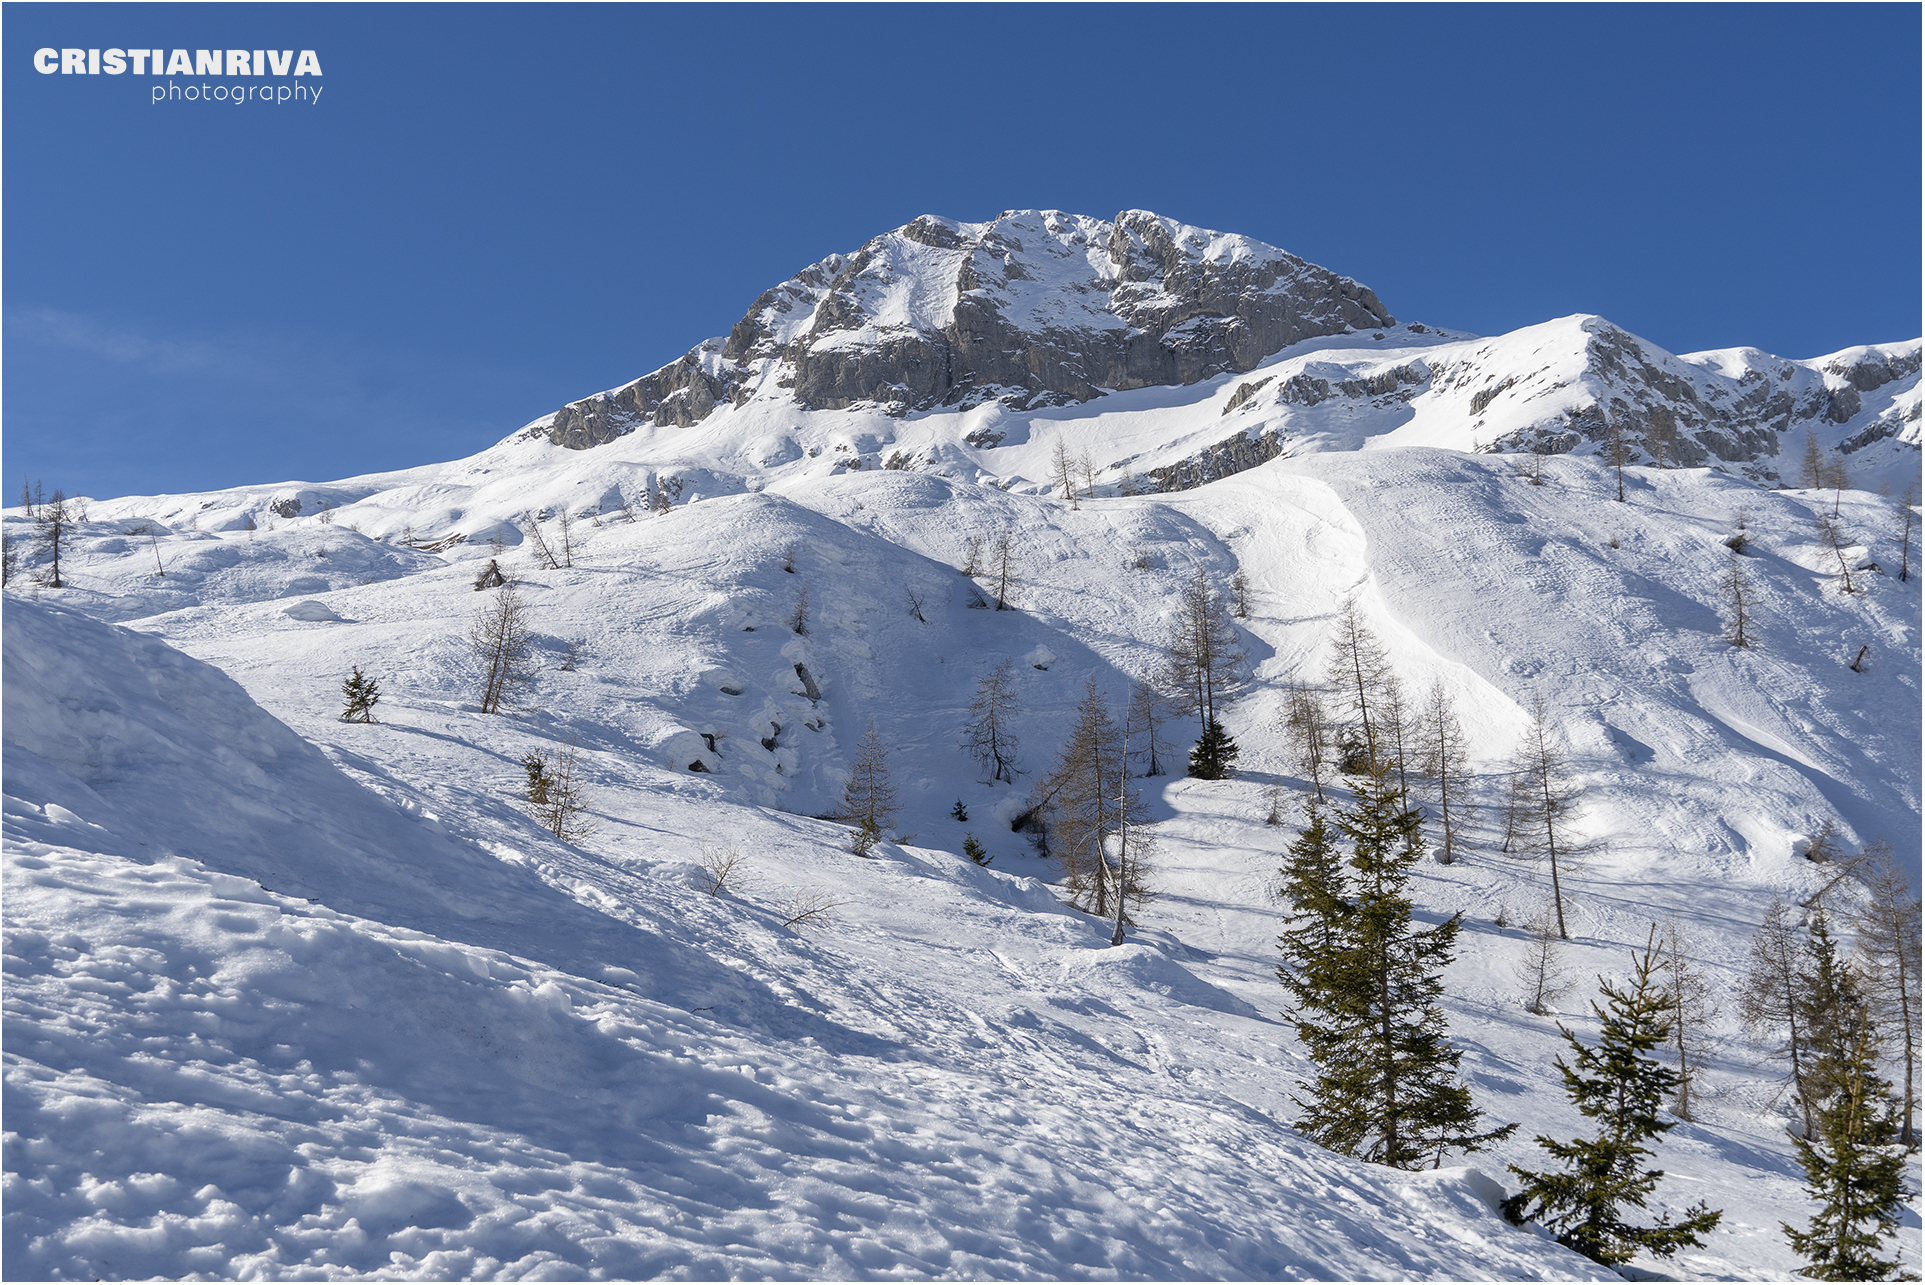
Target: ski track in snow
{"points": [[292, 997]]}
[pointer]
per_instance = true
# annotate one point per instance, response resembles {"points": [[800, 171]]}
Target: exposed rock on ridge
{"points": [[1698, 412], [1231, 456], [1035, 308]]}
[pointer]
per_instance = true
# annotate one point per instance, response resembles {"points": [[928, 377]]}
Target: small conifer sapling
{"points": [[1215, 755], [556, 796], [361, 693], [536, 766]]}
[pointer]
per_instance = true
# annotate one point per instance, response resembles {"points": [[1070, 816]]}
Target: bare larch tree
{"points": [[1832, 536], [1359, 670], [54, 522], [869, 799], [1205, 671], [544, 553], [1887, 922], [1133, 840], [1548, 805], [500, 641], [1444, 761], [1540, 970], [1065, 466], [990, 735], [1089, 802], [1145, 719], [1907, 518], [1811, 466], [1691, 1007], [1005, 563], [1307, 734], [1738, 597], [1396, 732], [556, 795], [1771, 997]]}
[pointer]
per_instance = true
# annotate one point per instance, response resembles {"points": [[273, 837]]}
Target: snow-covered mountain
{"points": [[1041, 309], [292, 997], [1034, 308]]}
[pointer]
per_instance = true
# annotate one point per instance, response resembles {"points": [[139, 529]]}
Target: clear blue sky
{"points": [[496, 209]]}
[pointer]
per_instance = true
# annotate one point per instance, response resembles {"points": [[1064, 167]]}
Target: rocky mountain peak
{"points": [[1032, 308]]}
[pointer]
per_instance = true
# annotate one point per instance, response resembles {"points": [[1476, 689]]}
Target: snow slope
{"points": [[491, 1053], [208, 1074]]}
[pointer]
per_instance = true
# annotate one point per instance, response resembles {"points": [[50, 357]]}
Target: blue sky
{"points": [[492, 210]]}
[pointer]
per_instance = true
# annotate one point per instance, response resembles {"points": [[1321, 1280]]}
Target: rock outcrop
{"points": [[1233, 455], [1035, 308], [1739, 408]]}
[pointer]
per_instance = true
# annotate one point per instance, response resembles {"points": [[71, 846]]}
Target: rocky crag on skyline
{"points": [[1034, 308], [1037, 310]]}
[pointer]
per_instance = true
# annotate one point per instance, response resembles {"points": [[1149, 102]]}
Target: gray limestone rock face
{"points": [[1034, 308], [1230, 456], [1243, 394], [681, 393], [1663, 405], [1871, 370]]}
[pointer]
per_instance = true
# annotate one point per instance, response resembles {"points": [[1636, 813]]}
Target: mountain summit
{"points": [[968, 348], [1033, 308]]}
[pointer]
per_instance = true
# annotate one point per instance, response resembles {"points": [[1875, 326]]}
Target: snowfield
{"points": [[283, 1025], [288, 997]]}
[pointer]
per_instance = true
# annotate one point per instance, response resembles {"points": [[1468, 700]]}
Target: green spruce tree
{"points": [[1314, 887], [1364, 984], [1829, 1000], [1215, 755], [1317, 927], [1855, 1168], [973, 849], [361, 694], [1621, 1086]]}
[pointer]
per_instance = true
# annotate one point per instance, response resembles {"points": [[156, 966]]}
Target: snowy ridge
{"points": [[1040, 310], [1541, 388], [1166, 355]]}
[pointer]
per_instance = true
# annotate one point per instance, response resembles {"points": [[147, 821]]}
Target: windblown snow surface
{"points": [[289, 997]]}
